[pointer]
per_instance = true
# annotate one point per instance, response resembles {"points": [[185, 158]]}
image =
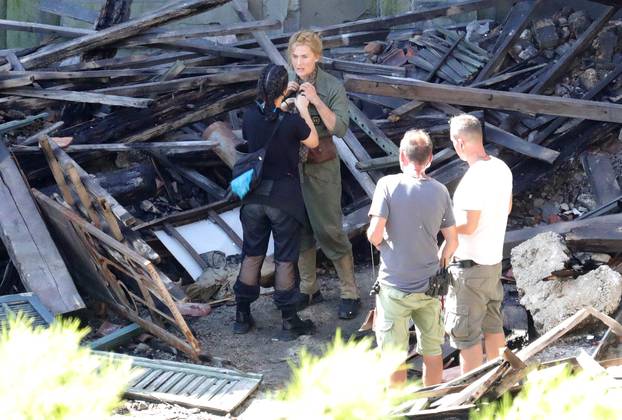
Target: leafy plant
{"points": [[350, 381], [46, 374], [557, 393]]}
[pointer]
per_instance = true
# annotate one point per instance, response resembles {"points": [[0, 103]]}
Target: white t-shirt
{"points": [[486, 186]]}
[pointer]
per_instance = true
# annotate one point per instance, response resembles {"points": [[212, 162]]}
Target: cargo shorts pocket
{"points": [[383, 329], [457, 322]]}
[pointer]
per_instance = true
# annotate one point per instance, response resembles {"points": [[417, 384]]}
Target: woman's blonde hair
{"points": [[308, 38]]}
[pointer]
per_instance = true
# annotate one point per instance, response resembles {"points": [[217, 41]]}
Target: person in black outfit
{"points": [[276, 205]]}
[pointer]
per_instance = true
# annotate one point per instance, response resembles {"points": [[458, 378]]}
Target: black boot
{"points": [[243, 319], [293, 326], [349, 308], [303, 300]]}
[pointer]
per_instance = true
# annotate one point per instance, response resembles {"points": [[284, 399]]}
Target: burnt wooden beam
{"points": [[113, 12], [363, 68], [511, 101], [118, 32], [561, 66], [192, 175], [507, 76], [82, 97], [518, 19], [602, 237], [393, 161], [516, 237], [225, 104], [601, 176]]}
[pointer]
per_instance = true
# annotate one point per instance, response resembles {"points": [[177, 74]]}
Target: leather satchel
{"points": [[324, 151]]}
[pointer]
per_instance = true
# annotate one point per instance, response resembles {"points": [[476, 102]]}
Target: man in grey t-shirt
{"points": [[407, 212]]}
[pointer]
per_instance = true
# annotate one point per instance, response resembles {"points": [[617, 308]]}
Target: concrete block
{"points": [[550, 302]]}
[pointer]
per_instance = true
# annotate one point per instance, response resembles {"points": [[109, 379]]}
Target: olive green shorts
{"points": [[473, 304], [395, 309]]}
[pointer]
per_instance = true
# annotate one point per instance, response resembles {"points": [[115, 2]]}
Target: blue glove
{"points": [[242, 184]]}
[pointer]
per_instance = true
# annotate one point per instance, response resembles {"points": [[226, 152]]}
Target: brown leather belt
{"points": [[324, 151]]}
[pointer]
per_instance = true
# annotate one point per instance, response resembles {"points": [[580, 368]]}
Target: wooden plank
{"points": [[93, 186], [172, 232], [113, 34], [507, 76], [350, 160], [172, 147], [81, 97], [83, 75], [155, 37], [187, 83], [516, 237], [443, 58], [512, 101], [14, 125], [223, 105], [41, 133], [605, 237], [518, 19], [362, 67], [560, 67], [361, 154], [601, 176], [215, 217], [14, 82], [495, 135], [29, 244], [41, 28], [116, 338], [388, 22], [374, 133]]}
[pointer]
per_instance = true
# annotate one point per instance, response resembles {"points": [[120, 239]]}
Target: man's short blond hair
{"points": [[417, 145], [467, 127], [305, 37]]}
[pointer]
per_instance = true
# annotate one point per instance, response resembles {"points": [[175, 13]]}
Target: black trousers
{"points": [[258, 221]]}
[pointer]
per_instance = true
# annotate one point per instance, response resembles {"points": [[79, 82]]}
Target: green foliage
{"points": [[556, 393], [47, 375], [350, 381]]}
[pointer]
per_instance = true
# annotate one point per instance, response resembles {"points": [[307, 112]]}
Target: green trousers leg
{"points": [[321, 189]]}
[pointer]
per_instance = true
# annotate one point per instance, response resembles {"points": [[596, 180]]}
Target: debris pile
{"points": [[117, 144]]}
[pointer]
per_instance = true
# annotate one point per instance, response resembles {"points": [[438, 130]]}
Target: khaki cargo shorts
{"points": [[473, 304], [395, 308]]}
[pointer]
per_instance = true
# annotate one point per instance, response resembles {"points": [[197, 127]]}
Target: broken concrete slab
{"points": [[552, 301]]}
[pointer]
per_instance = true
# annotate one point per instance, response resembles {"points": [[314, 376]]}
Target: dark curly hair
{"points": [[271, 84]]}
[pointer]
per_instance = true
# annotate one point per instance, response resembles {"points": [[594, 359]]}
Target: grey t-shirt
{"points": [[415, 209]]}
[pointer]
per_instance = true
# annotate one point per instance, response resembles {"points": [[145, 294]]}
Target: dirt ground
{"points": [[258, 351]]}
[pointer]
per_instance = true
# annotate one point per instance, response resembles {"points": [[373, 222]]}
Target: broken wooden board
{"points": [[119, 276], [26, 304], [116, 338], [485, 98], [29, 244], [213, 389]]}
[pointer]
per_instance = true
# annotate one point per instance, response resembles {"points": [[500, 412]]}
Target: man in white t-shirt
{"points": [[482, 202]]}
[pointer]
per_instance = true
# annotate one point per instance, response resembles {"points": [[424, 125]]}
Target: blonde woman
{"points": [[321, 174]]}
